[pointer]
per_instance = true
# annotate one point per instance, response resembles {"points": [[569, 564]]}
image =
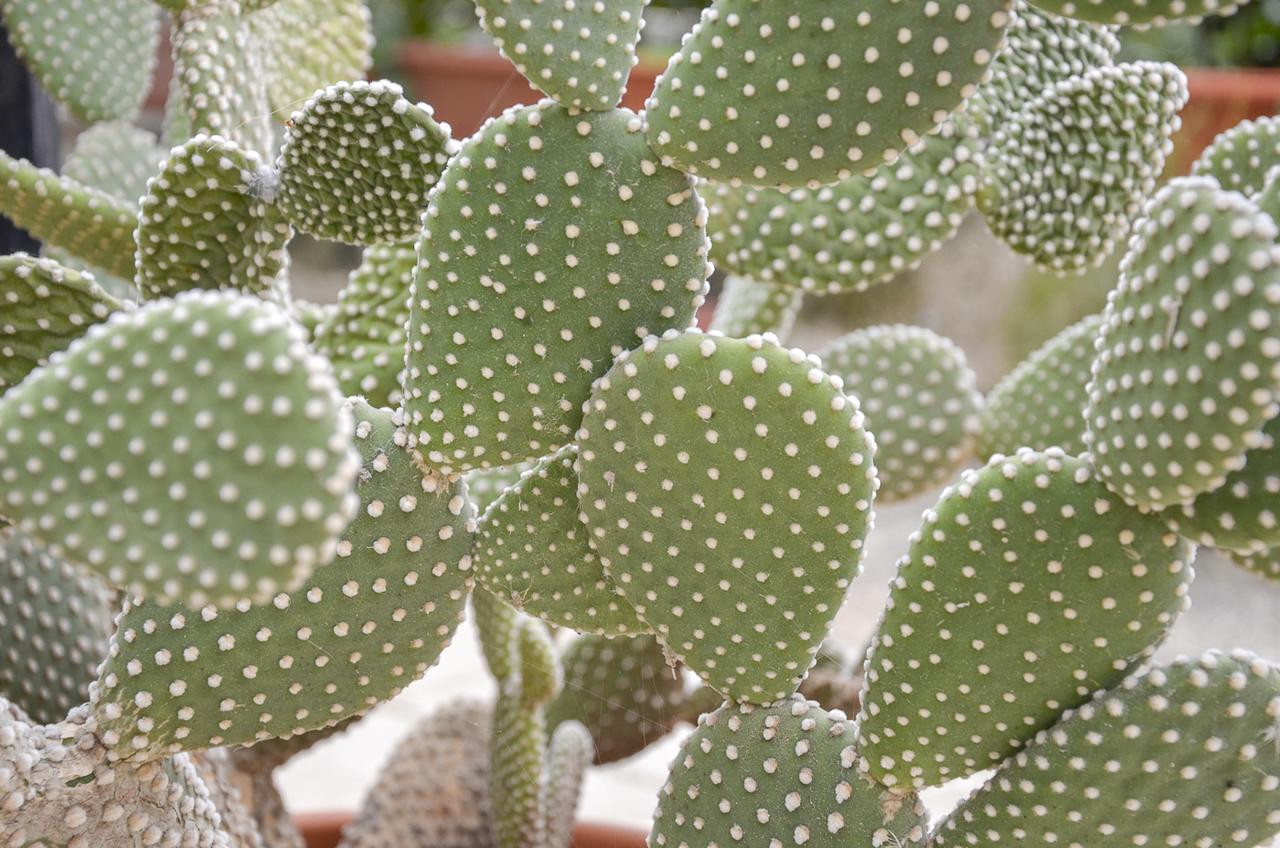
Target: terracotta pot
{"points": [[322, 830], [1220, 99]]}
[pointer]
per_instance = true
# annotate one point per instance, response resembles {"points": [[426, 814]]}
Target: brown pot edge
{"points": [[323, 830]]}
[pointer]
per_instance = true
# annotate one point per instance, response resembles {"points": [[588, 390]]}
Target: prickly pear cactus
{"points": [[1122, 12], [746, 308], [1268, 199], [485, 485], [309, 45], [519, 740], [1265, 564]]}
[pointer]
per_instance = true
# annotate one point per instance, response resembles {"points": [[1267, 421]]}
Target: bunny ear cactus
{"points": [[1139, 12], [747, 308], [309, 45]]}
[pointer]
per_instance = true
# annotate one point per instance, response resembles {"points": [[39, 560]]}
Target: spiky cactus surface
{"points": [[233, 521]]}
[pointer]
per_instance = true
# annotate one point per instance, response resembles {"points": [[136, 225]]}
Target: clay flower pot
{"points": [[322, 830]]}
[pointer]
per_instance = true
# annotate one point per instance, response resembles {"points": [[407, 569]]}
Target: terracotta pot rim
{"points": [[323, 829]]}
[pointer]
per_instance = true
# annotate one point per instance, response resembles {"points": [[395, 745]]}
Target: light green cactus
{"points": [[485, 485], [746, 307], [1241, 157], [1135, 12], [309, 45]]}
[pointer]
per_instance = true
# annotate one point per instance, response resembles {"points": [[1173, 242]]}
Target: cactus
{"points": [[1265, 564], [309, 45], [747, 308], [1241, 157], [1268, 199]]}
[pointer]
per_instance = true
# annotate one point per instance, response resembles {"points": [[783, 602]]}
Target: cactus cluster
{"points": [[232, 522]]}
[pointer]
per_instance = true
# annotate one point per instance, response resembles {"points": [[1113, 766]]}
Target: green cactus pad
{"points": [[1188, 368], [496, 623], [353, 636], [860, 232], [46, 308], [311, 315], [568, 756], [1265, 564], [1040, 403], [1268, 200], [675, 435], [1026, 589], [578, 53], [578, 243], [519, 741], [1183, 754], [311, 44], [835, 681], [785, 774], [532, 551], [364, 337], [819, 92], [155, 415], [1130, 12], [358, 162], [57, 621], [93, 56], [622, 690], [1067, 173], [747, 307], [62, 212], [1241, 157], [920, 399], [485, 485]]}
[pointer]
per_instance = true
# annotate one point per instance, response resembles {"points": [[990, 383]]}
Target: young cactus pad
{"points": [[675, 436], [310, 44], [1026, 589], [781, 775], [746, 307], [819, 91], [578, 244], [186, 503]]}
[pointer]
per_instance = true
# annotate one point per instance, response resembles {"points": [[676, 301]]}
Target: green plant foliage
{"points": [[746, 307], [309, 45], [520, 740], [1265, 564], [1157, 12], [485, 484], [1241, 157]]}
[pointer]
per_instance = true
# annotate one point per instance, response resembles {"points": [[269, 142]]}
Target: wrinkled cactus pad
{"points": [[1183, 754], [1187, 371], [1128, 12], [309, 45], [355, 634], [532, 552], [1241, 157], [676, 435], [746, 307], [578, 245], [136, 452], [965, 667], [358, 162], [809, 92], [920, 399], [779, 775]]}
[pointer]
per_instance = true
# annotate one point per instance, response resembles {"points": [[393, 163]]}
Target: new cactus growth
{"points": [[233, 521]]}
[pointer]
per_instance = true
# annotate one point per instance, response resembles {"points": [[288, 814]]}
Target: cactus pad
{"points": [[155, 415], [675, 436], [485, 485], [1027, 546], [519, 740], [1184, 754], [311, 44], [1241, 157], [920, 399], [1129, 12], [578, 53], [1067, 173], [1268, 199], [354, 635], [780, 775], [1040, 403], [358, 162], [207, 222], [578, 243], [819, 92], [568, 756], [1265, 564], [747, 307], [1188, 369]]}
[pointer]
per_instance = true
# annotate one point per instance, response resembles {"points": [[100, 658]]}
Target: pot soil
{"points": [[322, 830]]}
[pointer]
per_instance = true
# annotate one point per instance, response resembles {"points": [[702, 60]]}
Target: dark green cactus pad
{"points": [[309, 45], [920, 399], [207, 222], [675, 435], [532, 552], [578, 53], [1265, 564], [354, 635], [364, 337], [1129, 12], [46, 307], [578, 243], [1067, 173], [1040, 403], [1241, 157], [358, 162], [568, 756], [746, 307], [1028, 546], [156, 416], [1188, 368], [486, 484], [785, 774], [56, 621], [819, 92], [93, 56], [1183, 754], [622, 690]]}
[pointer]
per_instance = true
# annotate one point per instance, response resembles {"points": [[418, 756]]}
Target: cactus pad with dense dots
{"points": [[746, 307], [920, 399], [1182, 754], [675, 436], [532, 552], [1068, 172], [569, 754], [1187, 370], [46, 307], [1241, 157], [622, 690], [137, 451], [355, 634], [578, 245], [57, 620], [93, 56], [779, 775], [1131, 12], [358, 162], [207, 222], [818, 92], [519, 740], [309, 45], [224, 784], [1040, 403], [1026, 589], [364, 337]]}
